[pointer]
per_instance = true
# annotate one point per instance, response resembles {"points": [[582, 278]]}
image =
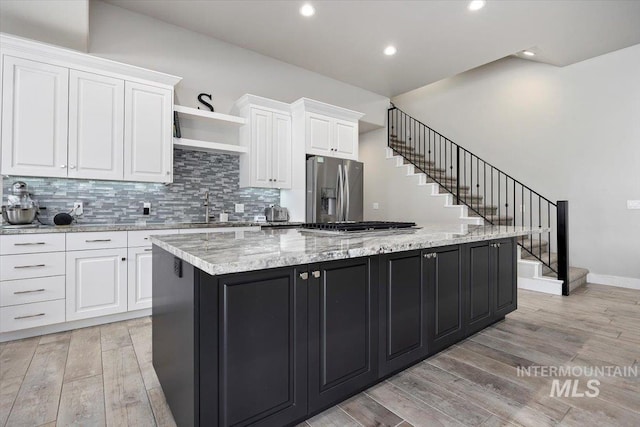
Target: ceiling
{"points": [[435, 39]]}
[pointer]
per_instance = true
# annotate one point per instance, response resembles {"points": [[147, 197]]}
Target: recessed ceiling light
{"points": [[528, 53], [477, 4], [307, 10], [390, 50]]}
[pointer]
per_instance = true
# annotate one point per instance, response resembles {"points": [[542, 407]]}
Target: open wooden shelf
{"points": [[207, 146], [224, 118]]}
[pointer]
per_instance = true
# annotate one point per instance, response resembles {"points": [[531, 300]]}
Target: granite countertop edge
{"points": [[300, 258], [83, 228]]}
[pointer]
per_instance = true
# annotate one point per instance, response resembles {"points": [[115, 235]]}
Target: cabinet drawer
{"points": [[141, 237], [25, 291], [32, 265], [31, 315], [31, 243], [96, 240]]}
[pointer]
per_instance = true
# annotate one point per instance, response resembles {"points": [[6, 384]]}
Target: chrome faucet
{"points": [[206, 207]]}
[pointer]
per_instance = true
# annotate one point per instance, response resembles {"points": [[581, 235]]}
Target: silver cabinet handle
{"points": [[29, 266], [316, 274], [28, 316], [29, 292], [431, 255], [29, 244], [146, 238], [304, 276], [426, 255], [72, 167], [98, 240], [63, 166], [148, 250]]}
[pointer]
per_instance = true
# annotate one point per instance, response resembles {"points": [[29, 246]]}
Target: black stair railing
{"points": [[487, 191]]}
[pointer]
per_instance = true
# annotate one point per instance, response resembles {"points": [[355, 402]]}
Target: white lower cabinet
{"points": [[96, 283], [140, 271], [31, 315]]}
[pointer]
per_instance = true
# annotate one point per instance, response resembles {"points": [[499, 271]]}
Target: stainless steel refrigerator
{"points": [[334, 189]]}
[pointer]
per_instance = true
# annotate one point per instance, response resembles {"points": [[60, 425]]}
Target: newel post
{"points": [[563, 244]]}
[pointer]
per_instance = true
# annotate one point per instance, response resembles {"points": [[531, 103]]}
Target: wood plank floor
{"points": [[103, 375]]}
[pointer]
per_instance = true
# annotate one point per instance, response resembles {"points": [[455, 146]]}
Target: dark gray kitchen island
{"points": [[271, 327]]}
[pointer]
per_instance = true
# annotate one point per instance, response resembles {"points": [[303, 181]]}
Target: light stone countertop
{"points": [[224, 253], [78, 228]]}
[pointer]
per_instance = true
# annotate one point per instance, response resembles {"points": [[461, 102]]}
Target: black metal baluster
{"points": [[514, 203], [549, 232], [484, 184], [540, 226]]}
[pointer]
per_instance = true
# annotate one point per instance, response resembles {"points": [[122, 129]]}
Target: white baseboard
{"points": [[76, 324], [619, 281], [547, 286]]}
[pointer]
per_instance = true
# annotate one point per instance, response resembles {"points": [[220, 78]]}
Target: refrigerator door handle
{"points": [[339, 195], [346, 191]]}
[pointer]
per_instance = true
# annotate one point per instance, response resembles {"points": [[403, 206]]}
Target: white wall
{"points": [[398, 196], [212, 66], [60, 22], [570, 133]]}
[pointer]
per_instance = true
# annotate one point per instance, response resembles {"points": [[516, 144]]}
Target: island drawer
{"points": [[28, 266], [31, 243], [31, 315], [96, 240], [25, 291]]}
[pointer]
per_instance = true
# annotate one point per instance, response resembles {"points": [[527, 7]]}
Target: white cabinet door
{"points": [[261, 139], [281, 151], [139, 286], [35, 101], [318, 134], [96, 283], [96, 126], [345, 139], [148, 146]]}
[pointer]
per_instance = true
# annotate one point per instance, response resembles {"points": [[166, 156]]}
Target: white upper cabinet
{"points": [[96, 126], [345, 138], [281, 150], [318, 133], [267, 135], [69, 114], [328, 130], [147, 133], [261, 147], [34, 118]]}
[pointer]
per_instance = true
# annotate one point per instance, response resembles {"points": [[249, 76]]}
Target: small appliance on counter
{"points": [[276, 213], [21, 209]]}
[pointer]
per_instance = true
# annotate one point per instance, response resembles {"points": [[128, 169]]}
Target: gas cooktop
{"points": [[356, 226]]}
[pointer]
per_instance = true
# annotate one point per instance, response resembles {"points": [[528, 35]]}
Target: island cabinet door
{"points": [[343, 329], [262, 350], [479, 283], [403, 311], [445, 294], [505, 277]]}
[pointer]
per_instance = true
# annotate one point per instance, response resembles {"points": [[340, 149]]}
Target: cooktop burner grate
{"points": [[358, 226]]}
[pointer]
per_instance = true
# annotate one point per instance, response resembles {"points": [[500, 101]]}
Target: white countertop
{"points": [[224, 253]]}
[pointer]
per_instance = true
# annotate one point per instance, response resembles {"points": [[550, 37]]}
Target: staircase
{"points": [[493, 198]]}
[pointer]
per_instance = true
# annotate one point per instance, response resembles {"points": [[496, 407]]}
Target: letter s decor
{"points": [[206, 95]]}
